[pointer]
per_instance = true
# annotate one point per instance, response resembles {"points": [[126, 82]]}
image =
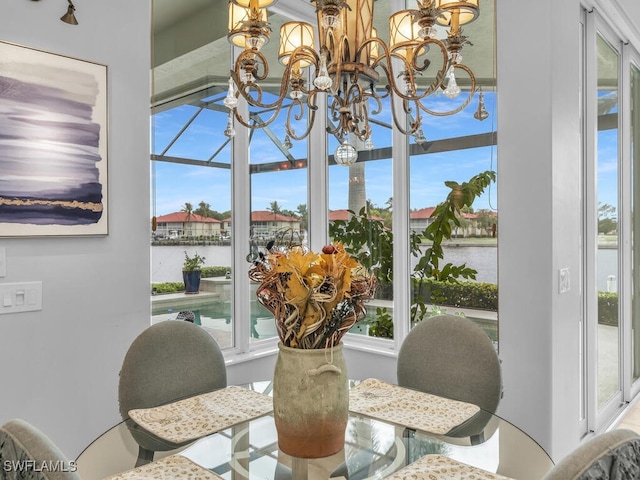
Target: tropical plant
{"points": [[188, 209], [371, 243], [192, 263]]}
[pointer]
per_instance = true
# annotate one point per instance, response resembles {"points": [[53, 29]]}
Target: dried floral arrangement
{"points": [[315, 297]]}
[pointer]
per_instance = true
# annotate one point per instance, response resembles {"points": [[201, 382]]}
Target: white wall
{"points": [[538, 171], [60, 365]]}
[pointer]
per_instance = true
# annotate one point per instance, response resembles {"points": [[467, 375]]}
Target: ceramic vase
{"points": [[310, 401]]}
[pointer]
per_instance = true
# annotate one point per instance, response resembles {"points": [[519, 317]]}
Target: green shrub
{"points": [[208, 272], [475, 295], [175, 287], [167, 287], [608, 308]]}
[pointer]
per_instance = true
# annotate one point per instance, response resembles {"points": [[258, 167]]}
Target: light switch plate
{"points": [[20, 297]]}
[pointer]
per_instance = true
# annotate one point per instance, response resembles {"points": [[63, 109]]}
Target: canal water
{"points": [[166, 261]]}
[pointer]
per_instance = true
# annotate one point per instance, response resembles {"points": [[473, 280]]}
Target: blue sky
{"points": [[176, 184]]}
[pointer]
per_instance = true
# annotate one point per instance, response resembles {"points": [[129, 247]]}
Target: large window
{"points": [[201, 205]]}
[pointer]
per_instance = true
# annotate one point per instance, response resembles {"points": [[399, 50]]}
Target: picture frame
{"points": [[53, 144]]}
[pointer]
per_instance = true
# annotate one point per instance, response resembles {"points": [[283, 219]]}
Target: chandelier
{"points": [[347, 63]]}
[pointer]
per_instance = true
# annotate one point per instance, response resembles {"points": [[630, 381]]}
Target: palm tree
{"points": [[204, 210], [188, 209], [275, 209], [301, 210]]}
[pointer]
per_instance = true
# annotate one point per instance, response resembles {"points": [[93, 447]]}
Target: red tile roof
{"points": [[422, 213], [267, 216], [345, 215], [339, 215], [181, 217]]}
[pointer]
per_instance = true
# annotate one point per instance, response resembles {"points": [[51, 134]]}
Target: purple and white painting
{"points": [[53, 138]]}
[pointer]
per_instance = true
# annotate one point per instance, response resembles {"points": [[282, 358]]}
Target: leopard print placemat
{"points": [[168, 468], [413, 409], [202, 415], [439, 467]]}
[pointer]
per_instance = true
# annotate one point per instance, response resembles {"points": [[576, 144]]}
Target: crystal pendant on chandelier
{"points": [[330, 21], [419, 137], [481, 113], [368, 144], [230, 131], [255, 42], [230, 101], [323, 80], [427, 32], [287, 143], [452, 90], [346, 154]]}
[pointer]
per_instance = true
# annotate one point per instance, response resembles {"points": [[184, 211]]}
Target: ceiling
{"points": [[168, 12]]}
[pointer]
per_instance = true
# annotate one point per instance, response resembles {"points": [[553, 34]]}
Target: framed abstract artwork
{"points": [[53, 144]]}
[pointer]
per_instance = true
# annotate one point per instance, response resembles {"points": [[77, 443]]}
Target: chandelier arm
{"points": [[413, 126], [337, 62], [311, 106], [262, 123], [359, 113], [248, 57], [376, 98], [414, 67], [464, 104], [384, 61], [302, 53]]}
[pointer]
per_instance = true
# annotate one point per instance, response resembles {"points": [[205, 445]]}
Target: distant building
{"points": [[345, 215], [420, 219], [266, 224], [470, 224], [181, 224]]}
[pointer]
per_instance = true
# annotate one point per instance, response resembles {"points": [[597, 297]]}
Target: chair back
{"points": [[451, 356], [168, 361], [26, 452], [611, 455]]}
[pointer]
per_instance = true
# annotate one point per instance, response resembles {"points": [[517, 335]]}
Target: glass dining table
{"points": [[374, 448]]}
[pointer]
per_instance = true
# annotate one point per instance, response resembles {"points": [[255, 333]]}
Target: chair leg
{"points": [[144, 456]]}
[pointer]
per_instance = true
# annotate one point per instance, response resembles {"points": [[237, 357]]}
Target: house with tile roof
{"points": [[266, 224], [346, 215], [182, 224], [420, 219], [471, 226]]}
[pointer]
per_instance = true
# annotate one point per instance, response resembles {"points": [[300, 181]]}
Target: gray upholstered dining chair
{"points": [[168, 361], [451, 356], [613, 455], [27, 453]]}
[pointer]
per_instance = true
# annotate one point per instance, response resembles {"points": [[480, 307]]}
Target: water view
{"points": [[166, 261]]}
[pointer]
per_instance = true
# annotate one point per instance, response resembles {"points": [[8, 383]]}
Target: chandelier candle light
{"points": [[348, 65]]}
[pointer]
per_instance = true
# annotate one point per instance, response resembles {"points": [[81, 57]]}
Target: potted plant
{"points": [[315, 299], [191, 272]]}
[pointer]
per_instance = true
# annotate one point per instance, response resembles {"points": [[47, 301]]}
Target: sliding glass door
{"points": [[611, 348]]}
